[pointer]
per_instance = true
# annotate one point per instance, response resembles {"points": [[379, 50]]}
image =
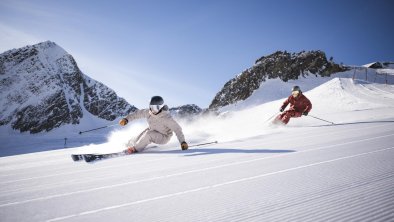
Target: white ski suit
{"points": [[160, 130]]}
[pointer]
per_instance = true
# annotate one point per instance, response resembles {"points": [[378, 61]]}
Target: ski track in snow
{"points": [[307, 171], [182, 173], [216, 185]]}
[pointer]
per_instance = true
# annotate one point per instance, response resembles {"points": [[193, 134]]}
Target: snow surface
{"points": [[310, 170]]}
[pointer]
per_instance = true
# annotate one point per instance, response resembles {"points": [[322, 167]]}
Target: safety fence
{"points": [[384, 76]]}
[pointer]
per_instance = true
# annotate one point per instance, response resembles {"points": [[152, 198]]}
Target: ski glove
{"points": [[184, 145], [305, 113], [282, 109], [123, 121]]}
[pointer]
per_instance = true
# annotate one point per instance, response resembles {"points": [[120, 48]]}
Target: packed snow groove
{"points": [[220, 166], [188, 172], [215, 185]]}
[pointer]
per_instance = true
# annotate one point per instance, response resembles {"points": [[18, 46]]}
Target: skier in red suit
{"points": [[299, 105]]}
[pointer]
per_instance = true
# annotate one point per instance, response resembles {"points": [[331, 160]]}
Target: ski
{"points": [[90, 157], [77, 157]]}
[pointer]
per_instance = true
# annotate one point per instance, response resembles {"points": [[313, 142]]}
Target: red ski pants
{"points": [[285, 116]]}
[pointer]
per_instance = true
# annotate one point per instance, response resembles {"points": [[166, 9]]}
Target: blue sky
{"points": [[186, 50]]}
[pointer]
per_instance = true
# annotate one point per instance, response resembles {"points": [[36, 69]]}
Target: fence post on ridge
{"points": [[366, 74], [354, 73]]}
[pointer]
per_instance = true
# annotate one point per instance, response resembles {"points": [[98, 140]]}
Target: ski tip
{"points": [[76, 157]]}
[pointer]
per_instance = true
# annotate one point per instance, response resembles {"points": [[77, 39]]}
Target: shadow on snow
{"points": [[354, 123], [210, 151]]}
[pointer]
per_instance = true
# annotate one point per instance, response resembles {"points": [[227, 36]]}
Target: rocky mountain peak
{"points": [[185, 111], [42, 88], [281, 64]]}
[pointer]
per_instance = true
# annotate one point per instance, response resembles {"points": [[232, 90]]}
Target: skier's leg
{"points": [[278, 119], [133, 141], [297, 114], [290, 114], [150, 137], [287, 115]]}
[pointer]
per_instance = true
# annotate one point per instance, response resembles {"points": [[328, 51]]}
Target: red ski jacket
{"points": [[299, 104]]}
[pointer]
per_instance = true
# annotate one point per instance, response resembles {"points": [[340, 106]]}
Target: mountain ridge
{"points": [[281, 64], [42, 88]]}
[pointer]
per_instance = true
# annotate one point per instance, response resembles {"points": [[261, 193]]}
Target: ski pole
{"points": [[272, 117], [321, 119], [97, 128], [200, 144]]}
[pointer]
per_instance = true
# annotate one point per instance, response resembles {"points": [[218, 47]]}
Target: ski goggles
{"points": [[295, 93], [155, 108]]}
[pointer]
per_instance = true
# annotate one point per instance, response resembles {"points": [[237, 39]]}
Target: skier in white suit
{"points": [[161, 126]]}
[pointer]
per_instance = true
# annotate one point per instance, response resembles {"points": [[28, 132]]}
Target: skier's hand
{"points": [[184, 145], [305, 113], [123, 122], [281, 109]]}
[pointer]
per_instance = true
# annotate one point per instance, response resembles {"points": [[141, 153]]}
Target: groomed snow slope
{"points": [[307, 171]]}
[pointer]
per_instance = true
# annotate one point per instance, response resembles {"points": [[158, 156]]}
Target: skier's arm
{"points": [[174, 126], [284, 105], [308, 107], [139, 114]]}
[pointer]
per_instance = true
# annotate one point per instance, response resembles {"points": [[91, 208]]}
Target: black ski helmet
{"points": [[156, 104], [156, 100], [296, 88]]}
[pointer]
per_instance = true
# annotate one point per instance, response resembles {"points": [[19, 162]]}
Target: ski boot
{"points": [[130, 150]]}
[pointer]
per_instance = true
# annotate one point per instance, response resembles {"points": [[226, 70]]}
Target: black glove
{"points": [[184, 146], [305, 113], [282, 109]]}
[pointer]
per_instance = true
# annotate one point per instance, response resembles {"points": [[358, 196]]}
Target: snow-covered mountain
{"points": [[380, 65], [280, 65], [42, 88], [185, 111]]}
